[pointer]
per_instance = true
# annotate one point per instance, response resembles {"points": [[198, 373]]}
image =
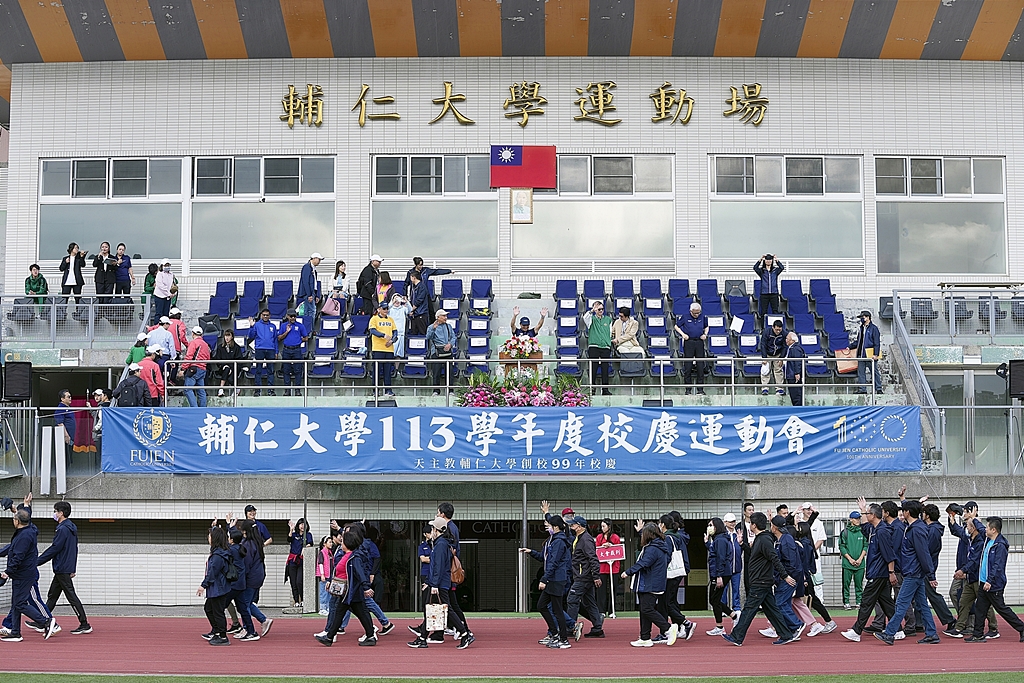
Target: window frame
{"points": [[784, 195], [108, 195], [909, 196], [437, 179]]}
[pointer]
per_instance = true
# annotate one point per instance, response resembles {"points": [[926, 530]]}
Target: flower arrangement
{"points": [[482, 392], [520, 390], [570, 394], [517, 347]]}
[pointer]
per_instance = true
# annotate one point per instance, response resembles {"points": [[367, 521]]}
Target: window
{"points": [[165, 176], [734, 175], [842, 175], [941, 237], [890, 176], [317, 174], [454, 174], [281, 176], [653, 173], [57, 178], [427, 174], [479, 171], [768, 175], [613, 175], [390, 173], [248, 173], [957, 176], [574, 175], [149, 227], [213, 177], [130, 177], [988, 176], [926, 176], [805, 176], [90, 178]]}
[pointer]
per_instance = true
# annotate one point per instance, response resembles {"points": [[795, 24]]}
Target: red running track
{"points": [[150, 645]]}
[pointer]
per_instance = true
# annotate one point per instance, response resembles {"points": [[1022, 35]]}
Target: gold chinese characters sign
{"points": [[308, 108]]}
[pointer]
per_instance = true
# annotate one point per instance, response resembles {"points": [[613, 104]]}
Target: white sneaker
{"points": [[673, 633], [900, 635], [450, 632], [322, 634], [324, 612], [266, 627], [220, 393], [851, 635], [829, 627], [4, 631], [769, 633], [716, 631], [642, 643], [816, 628], [363, 637]]}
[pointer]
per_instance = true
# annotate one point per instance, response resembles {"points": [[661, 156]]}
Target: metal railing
{"points": [[962, 315], [917, 379], [63, 322]]}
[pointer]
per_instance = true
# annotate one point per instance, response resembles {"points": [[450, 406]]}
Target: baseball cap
{"points": [[567, 512], [250, 508], [865, 313], [439, 523], [778, 521], [376, 257], [855, 515], [579, 519], [970, 505], [383, 304], [316, 254], [154, 348], [164, 320], [141, 336], [439, 312], [729, 517], [806, 506], [165, 262], [291, 311], [134, 367], [175, 311], [97, 392], [524, 320], [197, 330]]}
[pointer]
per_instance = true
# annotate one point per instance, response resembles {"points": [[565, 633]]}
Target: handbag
{"points": [[676, 565], [437, 615], [845, 367], [338, 587], [458, 573], [331, 307]]}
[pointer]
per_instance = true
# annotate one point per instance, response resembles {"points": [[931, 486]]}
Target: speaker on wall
{"points": [[1017, 379], [17, 381]]}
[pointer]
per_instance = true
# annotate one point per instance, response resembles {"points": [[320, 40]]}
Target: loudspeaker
{"points": [[17, 381], [1017, 379]]}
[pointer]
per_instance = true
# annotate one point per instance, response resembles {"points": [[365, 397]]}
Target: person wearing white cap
{"points": [[194, 367], [152, 375], [441, 345], [161, 336], [162, 287], [732, 595], [132, 391], [382, 329], [178, 331], [137, 352], [308, 281], [366, 284]]}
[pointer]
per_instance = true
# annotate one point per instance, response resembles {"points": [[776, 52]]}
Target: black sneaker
{"points": [[235, 628], [594, 634], [287, 392], [36, 626], [872, 629], [208, 636], [415, 630], [219, 640], [885, 638], [12, 638], [929, 640], [978, 639], [952, 632], [387, 629], [82, 630], [419, 643], [992, 635], [466, 641], [325, 641], [271, 392], [369, 642]]}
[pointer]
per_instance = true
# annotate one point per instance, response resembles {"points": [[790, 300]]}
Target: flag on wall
{"points": [[522, 166]]}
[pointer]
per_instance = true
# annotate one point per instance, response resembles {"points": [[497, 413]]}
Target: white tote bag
{"points": [[676, 565], [437, 617]]}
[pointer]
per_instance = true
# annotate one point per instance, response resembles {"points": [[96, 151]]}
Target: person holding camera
{"points": [[768, 268], [71, 265], [963, 591]]}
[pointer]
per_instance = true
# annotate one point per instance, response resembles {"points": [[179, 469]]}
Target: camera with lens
{"points": [[955, 508], [7, 504]]}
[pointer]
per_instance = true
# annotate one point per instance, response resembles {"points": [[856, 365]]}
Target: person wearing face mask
{"points": [[63, 551], [721, 554], [556, 557], [869, 347]]}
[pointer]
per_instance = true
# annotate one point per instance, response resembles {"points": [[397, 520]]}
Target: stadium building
{"points": [[874, 147]]}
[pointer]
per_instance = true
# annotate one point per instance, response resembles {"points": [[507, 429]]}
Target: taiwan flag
{"points": [[519, 166]]}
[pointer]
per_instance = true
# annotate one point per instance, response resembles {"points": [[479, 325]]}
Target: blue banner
{"points": [[518, 441]]}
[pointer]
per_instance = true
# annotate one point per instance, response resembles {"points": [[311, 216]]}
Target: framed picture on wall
{"points": [[521, 199]]}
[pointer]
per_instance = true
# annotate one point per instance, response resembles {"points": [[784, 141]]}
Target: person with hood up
{"points": [[64, 553], [650, 571], [557, 558], [721, 555], [216, 586], [992, 576]]}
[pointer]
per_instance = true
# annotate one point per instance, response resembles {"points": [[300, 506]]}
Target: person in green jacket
{"points": [[137, 352], [853, 548], [599, 342], [36, 284]]}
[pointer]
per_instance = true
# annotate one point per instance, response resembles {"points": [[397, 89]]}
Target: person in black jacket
{"points": [[366, 284], [106, 272], [64, 553], [992, 575], [71, 265], [23, 573], [720, 561], [556, 559], [586, 577], [132, 390], [762, 565], [216, 586], [227, 350]]}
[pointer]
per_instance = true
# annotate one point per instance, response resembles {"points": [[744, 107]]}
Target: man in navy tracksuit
{"points": [[992, 575], [264, 333], [964, 589], [918, 570], [935, 532], [768, 269], [24, 577], [64, 553], [794, 368], [879, 570], [789, 554]]}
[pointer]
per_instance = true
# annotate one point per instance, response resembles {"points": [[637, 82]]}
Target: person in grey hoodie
{"points": [[64, 553]]}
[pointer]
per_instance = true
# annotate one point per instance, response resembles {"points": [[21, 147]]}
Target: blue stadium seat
{"points": [[797, 304], [477, 362], [248, 307], [656, 325], [330, 326], [567, 325], [356, 347], [623, 295], [568, 353], [282, 289], [803, 323], [739, 305], [325, 352], [480, 295], [811, 342], [220, 305], [820, 289], [748, 323], [477, 344], [451, 296], [226, 290], [749, 349], [479, 326], [825, 305], [593, 290], [678, 289], [254, 289], [716, 324], [415, 366], [278, 308], [990, 309], [652, 297], [720, 349], [661, 357], [708, 289], [566, 297], [790, 288]]}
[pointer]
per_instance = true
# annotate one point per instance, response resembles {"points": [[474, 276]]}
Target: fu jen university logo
{"points": [[152, 428]]}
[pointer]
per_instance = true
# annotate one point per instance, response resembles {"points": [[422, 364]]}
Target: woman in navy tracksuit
{"points": [[239, 555], [215, 585], [299, 537], [349, 567], [439, 582], [255, 574], [651, 572], [720, 561], [557, 559]]}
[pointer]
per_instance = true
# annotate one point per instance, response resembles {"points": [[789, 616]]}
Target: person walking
{"points": [[64, 553], [164, 290], [668, 602], [651, 570], [369, 554], [733, 594], [438, 585], [992, 577], [323, 573], [238, 586], [966, 573], [137, 352], [917, 569], [763, 564], [785, 592], [299, 537], [721, 555], [441, 347], [366, 284], [853, 548], [264, 334], [23, 573], [215, 586], [879, 568], [351, 577], [152, 375], [194, 368], [586, 577], [255, 573], [599, 344], [935, 533], [556, 558], [307, 292], [132, 391]]}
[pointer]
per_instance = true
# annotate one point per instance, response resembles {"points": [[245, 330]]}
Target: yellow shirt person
{"points": [[382, 330]]}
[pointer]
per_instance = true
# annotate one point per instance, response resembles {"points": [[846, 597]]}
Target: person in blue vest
{"points": [[64, 553], [23, 573], [264, 333], [917, 569], [795, 369], [307, 291], [293, 335], [992, 577], [768, 268], [869, 346]]}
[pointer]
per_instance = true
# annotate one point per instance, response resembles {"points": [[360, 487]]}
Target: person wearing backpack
{"points": [[220, 571], [721, 554], [132, 391], [439, 583]]}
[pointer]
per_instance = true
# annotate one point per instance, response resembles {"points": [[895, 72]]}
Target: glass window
{"points": [[56, 178], [391, 178], [456, 228], [90, 178], [653, 173], [768, 175], [248, 175], [800, 229], [317, 174], [573, 175], [941, 237], [957, 176], [253, 230], [213, 177], [988, 176], [613, 175], [155, 225], [281, 176], [842, 174], [890, 176], [455, 174], [129, 177], [804, 176], [426, 175], [926, 176], [164, 176], [734, 175], [597, 229], [479, 168]]}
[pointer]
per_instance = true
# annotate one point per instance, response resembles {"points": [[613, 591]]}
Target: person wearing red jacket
{"points": [[194, 367], [606, 538], [151, 374]]}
